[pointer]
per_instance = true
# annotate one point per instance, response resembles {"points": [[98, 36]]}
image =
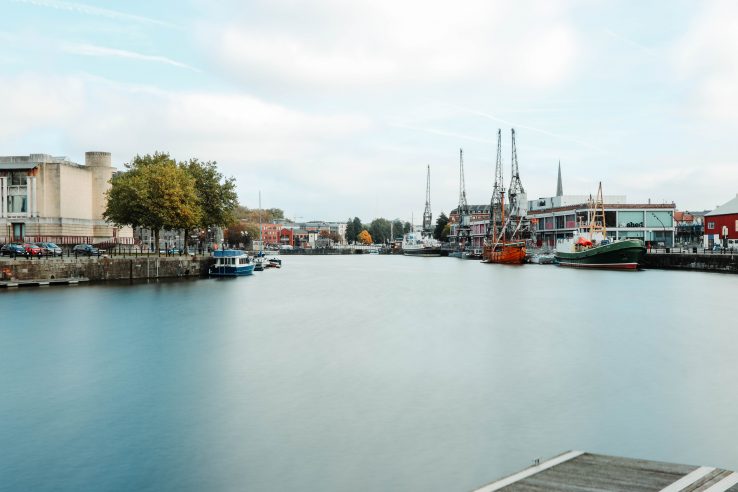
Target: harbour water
{"points": [[372, 373]]}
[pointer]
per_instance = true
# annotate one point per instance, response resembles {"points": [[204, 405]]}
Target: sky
{"points": [[333, 109]]}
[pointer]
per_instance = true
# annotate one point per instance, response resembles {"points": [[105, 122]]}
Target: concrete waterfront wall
{"points": [[125, 268], [726, 263]]}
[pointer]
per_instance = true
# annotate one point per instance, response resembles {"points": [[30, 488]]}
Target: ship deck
{"points": [[586, 472]]}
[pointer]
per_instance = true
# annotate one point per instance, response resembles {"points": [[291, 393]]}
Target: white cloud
{"points": [[96, 11], [390, 42], [92, 50], [708, 56], [243, 133]]}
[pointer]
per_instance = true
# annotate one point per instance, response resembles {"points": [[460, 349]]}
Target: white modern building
{"points": [[47, 198]]}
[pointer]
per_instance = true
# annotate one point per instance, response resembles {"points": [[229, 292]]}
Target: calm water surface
{"points": [[367, 373]]}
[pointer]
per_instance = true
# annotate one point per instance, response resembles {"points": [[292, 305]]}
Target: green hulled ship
{"points": [[590, 248], [625, 254]]}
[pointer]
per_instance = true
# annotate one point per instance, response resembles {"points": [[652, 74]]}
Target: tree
{"points": [[242, 232], [397, 229], [380, 230], [350, 233], [407, 227], [268, 215], [364, 237], [154, 193], [335, 237], [446, 232], [441, 222], [217, 195], [358, 227]]}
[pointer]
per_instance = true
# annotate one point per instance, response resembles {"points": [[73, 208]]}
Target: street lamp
{"points": [[662, 225]]}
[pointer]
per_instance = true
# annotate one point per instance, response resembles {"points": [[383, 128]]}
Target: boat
{"points": [[504, 243], [418, 244], [231, 263], [589, 246], [273, 263]]}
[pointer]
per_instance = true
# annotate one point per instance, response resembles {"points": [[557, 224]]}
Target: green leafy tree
{"points": [[446, 232], [441, 222], [407, 227], [350, 233], [364, 237], [216, 195], [380, 230], [154, 193], [268, 215], [397, 228], [358, 227]]}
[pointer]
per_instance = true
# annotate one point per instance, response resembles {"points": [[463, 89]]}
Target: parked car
{"points": [[13, 249], [49, 249], [32, 249], [85, 249]]}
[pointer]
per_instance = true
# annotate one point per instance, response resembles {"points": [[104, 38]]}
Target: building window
{"points": [[736, 226], [710, 225]]}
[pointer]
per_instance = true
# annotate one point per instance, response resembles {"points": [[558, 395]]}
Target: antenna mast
{"points": [[427, 215], [463, 230]]}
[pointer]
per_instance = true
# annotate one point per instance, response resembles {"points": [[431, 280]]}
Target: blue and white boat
{"points": [[231, 263]]}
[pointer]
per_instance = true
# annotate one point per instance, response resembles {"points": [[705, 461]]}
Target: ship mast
{"points": [[496, 213], [516, 189], [597, 221], [463, 230], [427, 216]]}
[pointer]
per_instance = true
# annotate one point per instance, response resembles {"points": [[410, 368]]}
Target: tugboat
{"points": [[504, 243], [231, 263], [590, 248]]}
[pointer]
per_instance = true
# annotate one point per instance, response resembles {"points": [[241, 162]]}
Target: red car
{"points": [[32, 249]]}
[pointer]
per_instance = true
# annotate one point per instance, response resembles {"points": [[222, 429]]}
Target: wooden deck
{"points": [[577, 471], [45, 281]]}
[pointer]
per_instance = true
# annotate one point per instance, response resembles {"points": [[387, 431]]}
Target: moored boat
{"points": [[589, 247], [417, 244], [505, 243], [625, 254], [231, 263]]}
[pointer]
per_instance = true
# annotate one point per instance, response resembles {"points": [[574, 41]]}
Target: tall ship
{"points": [[505, 242], [423, 243], [590, 248]]}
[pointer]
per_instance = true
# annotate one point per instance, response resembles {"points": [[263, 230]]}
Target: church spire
{"points": [[559, 186]]}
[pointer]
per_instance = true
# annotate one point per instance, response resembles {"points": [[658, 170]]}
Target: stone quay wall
{"points": [[104, 268], [726, 263]]}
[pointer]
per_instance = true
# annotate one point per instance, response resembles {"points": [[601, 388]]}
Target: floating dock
{"points": [[45, 281], [585, 472]]}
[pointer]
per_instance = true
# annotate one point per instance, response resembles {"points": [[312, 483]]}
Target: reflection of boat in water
{"points": [[543, 258], [590, 248], [231, 263], [504, 243]]}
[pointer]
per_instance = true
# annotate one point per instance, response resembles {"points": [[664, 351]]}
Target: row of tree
{"points": [[380, 230], [157, 192], [383, 231]]}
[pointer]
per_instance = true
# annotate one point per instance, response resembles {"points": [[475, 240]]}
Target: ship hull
{"points": [[620, 255], [422, 252], [509, 254]]}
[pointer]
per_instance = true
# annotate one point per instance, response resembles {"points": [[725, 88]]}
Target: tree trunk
{"points": [[156, 241], [186, 236]]}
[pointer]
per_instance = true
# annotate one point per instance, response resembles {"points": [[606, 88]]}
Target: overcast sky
{"points": [[334, 108]]}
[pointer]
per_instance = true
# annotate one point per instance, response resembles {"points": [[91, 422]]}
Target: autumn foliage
{"points": [[364, 237]]}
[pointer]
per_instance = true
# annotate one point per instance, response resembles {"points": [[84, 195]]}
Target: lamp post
{"points": [[662, 225]]}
